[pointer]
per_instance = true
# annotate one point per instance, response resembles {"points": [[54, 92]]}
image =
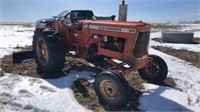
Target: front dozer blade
{"points": [[22, 56]]}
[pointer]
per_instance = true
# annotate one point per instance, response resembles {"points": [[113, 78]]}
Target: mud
{"points": [[24, 69], [188, 56]]}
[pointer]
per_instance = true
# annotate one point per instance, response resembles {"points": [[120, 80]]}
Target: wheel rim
{"points": [[110, 91], [154, 69], [42, 51]]}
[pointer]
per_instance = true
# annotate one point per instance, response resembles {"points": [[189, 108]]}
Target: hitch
{"points": [[22, 56]]}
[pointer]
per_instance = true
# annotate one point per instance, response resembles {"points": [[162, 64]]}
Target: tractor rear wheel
{"points": [[49, 52], [111, 89], [156, 72]]}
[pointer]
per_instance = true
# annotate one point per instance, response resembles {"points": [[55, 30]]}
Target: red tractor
{"points": [[124, 45]]}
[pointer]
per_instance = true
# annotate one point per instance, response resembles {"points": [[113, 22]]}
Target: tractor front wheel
{"points": [[111, 89], [156, 72]]}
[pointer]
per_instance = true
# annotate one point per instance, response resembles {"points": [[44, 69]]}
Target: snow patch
{"points": [[160, 98], [19, 93]]}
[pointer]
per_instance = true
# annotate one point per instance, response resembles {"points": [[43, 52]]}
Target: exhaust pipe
{"points": [[123, 11]]}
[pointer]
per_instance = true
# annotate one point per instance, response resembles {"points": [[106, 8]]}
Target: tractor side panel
{"points": [[130, 40], [135, 50]]}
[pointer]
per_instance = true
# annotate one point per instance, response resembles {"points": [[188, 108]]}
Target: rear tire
{"points": [[158, 71], [111, 89], [49, 52]]}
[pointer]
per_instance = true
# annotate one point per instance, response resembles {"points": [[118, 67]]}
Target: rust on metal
{"points": [[109, 90], [42, 51]]}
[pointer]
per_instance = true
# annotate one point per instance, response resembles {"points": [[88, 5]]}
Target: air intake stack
{"points": [[123, 11]]}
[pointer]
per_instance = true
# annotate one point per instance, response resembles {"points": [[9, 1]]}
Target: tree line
{"points": [[189, 22]]}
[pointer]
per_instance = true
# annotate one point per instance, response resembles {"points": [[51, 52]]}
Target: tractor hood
{"points": [[117, 25]]}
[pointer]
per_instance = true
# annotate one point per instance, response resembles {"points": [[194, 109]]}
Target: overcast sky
{"points": [[145, 10]]}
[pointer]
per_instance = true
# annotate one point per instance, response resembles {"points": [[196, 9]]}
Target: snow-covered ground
{"points": [[14, 36], [185, 96], [27, 94]]}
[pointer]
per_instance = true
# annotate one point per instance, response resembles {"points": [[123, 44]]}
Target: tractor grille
{"points": [[141, 45]]}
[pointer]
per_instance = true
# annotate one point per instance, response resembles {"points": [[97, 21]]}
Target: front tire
{"points": [[49, 52], [111, 89], [157, 72]]}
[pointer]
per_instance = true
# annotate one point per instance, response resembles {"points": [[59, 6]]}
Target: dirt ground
{"points": [[189, 56], [83, 90]]}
